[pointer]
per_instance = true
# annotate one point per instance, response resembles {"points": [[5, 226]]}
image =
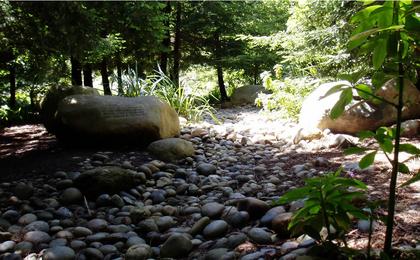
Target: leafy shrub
{"points": [[287, 95], [327, 204], [183, 100]]}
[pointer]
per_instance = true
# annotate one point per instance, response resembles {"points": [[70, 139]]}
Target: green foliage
{"points": [[287, 94], [328, 203], [388, 32], [185, 103]]}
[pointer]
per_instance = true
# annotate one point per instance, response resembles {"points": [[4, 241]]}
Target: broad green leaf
{"points": [[355, 150], [386, 145], [414, 179], [363, 14], [364, 91], [375, 30], [403, 168], [379, 53], [365, 134], [385, 15], [409, 148], [364, 34], [294, 194], [345, 98], [367, 160], [335, 89]]}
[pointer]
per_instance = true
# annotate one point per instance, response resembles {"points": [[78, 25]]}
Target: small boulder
{"points": [[171, 149], [255, 207], [215, 229], [108, 179], [206, 169], [246, 94], [71, 196], [59, 253], [280, 224], [176, 246], [138, 252]]}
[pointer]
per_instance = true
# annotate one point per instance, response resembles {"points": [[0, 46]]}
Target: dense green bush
{"points": [[287, 94]]}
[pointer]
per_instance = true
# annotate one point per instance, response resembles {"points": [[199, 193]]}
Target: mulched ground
{"points": [[28, 150]]}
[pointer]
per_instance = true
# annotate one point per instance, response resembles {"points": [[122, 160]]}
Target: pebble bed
{"points": [[216, 204]]}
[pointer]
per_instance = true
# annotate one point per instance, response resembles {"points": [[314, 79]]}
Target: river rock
{"points": [[259, 236], [71, 196], [280, 223], [171, 149], [206, 169], [37, 225], [255, 207], [37, 237], [138, 252], [212, 210], [108, 179], [271, 214], [215, 229], [59, 253], [314, 115], [23, 191], [7, 246], [115, 119], [54, 95], [176, 246]]}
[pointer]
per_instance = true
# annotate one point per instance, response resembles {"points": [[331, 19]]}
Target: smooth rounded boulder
{"points": [[171, 149], [114, 119], [53, 97], [108, 179], [246, 94], [360, 115]]}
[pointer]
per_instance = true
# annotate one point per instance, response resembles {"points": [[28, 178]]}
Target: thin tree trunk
{"points": [[219, 68], [76, 72], [119, 77], [105, 80], [12, 81], [221, 82], [177, 44], [167, 40], [87, 75]]}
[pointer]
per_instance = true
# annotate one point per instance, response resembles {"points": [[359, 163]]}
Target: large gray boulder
{"points": [[246, 94], [116, 119], [359, 115], [54, 95]]}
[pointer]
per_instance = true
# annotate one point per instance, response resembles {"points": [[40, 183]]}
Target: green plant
{"points": [[389, 32], [328, 202], [286, 94], [185, 103]]}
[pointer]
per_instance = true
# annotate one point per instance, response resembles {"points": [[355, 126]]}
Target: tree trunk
{"points": [[177, 44], [119, 77], [105, 80], [222, 87], [87, 75], [219, 68], [167, 40], [76, 72], [12, 81]]}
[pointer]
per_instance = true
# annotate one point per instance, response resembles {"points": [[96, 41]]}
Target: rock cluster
{"points": [[214, 204]]}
